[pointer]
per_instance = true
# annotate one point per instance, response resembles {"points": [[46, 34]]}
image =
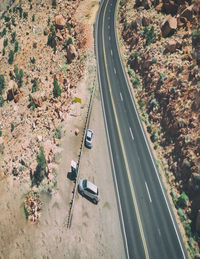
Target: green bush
{"points": [[52, 36], [13, 21], [2, 83], [154, 136], [149, 128], [135, 81], [1, 101], [13, 36], [0, 133], [31, 104], [25, 15], [149, 35], [35, 85], [3, 33], [33, 18], [56, 89], [182, 215], [69, 41], [183, 200], [12, 127], [54, 3], [16, 46], [5, 42], [68, 25], [4, 52], [154, 60], [58, 133], [6, 18], [11, 57], [40, 169], [162, 78]]}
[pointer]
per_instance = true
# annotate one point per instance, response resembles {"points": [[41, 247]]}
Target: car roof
{"points": [[89, 132], [92, 186]]}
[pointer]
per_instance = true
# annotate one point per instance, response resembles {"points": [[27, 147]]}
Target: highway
{"points": [[147, 221]]}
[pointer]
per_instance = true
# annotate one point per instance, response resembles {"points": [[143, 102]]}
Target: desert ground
{"points": [[95, 229]]}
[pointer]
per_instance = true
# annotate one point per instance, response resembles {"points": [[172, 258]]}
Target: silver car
{"points": [[89, 138], [86, 188]]}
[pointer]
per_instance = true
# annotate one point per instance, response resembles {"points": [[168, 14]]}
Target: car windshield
{"points": [[84, 184]]}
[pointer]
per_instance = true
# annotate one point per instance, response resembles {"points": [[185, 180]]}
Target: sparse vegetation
{"points": [[16, 46], [35, 86], [149, 35], [2, 83], [52, 36], [39, 173], [1, 101], [13, 36], [56, 89], [11, 57], [54, 3]]}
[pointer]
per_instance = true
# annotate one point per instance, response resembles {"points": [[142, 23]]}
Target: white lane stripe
{"points": [[159, 232], [108, 26], [111, 52], [131, 133], [148, 192], [115, 70], [121, 96], [109, 37], [108, 17]]}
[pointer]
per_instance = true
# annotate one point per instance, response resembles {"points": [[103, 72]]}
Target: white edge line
{"points": [[127, 84], [115, 70], [109, 146], [111, 52], [148, 192]]}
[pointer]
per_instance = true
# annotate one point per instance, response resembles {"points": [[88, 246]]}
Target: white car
{"points": [[89, 138], [86, 188]]}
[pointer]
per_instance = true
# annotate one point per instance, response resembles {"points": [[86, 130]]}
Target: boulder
{"points": [[169, 26], [170, 7], [188, 13], [60, 22], [71, 53], [145, 21], [144, 3], [37, 101], [14, 92], [172, 46], [76, 132], [159, 7]]}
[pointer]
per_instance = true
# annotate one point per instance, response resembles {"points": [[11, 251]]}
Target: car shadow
{"points": [[87, 198], [71, 176]]}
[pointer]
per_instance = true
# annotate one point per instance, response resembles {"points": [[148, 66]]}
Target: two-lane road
{"points": [[148, 224]]}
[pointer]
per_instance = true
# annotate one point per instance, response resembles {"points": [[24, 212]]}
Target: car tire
{"points": [[94, 201]]}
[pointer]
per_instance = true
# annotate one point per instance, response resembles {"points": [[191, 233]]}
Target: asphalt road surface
{"points": [[147, 221]]}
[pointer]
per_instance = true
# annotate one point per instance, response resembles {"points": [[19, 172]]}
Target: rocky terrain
{"points": [[42, 56], [161, 48]]}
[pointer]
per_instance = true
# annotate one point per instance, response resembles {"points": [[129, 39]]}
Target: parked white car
{"points": [[89, 138], [86, 188]]}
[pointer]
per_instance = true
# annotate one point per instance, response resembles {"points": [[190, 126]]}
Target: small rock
{"points": [[76, 132], [39, 138], [169, 26]]}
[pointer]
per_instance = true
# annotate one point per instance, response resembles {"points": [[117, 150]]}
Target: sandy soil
{"points": [[95, 231]]}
